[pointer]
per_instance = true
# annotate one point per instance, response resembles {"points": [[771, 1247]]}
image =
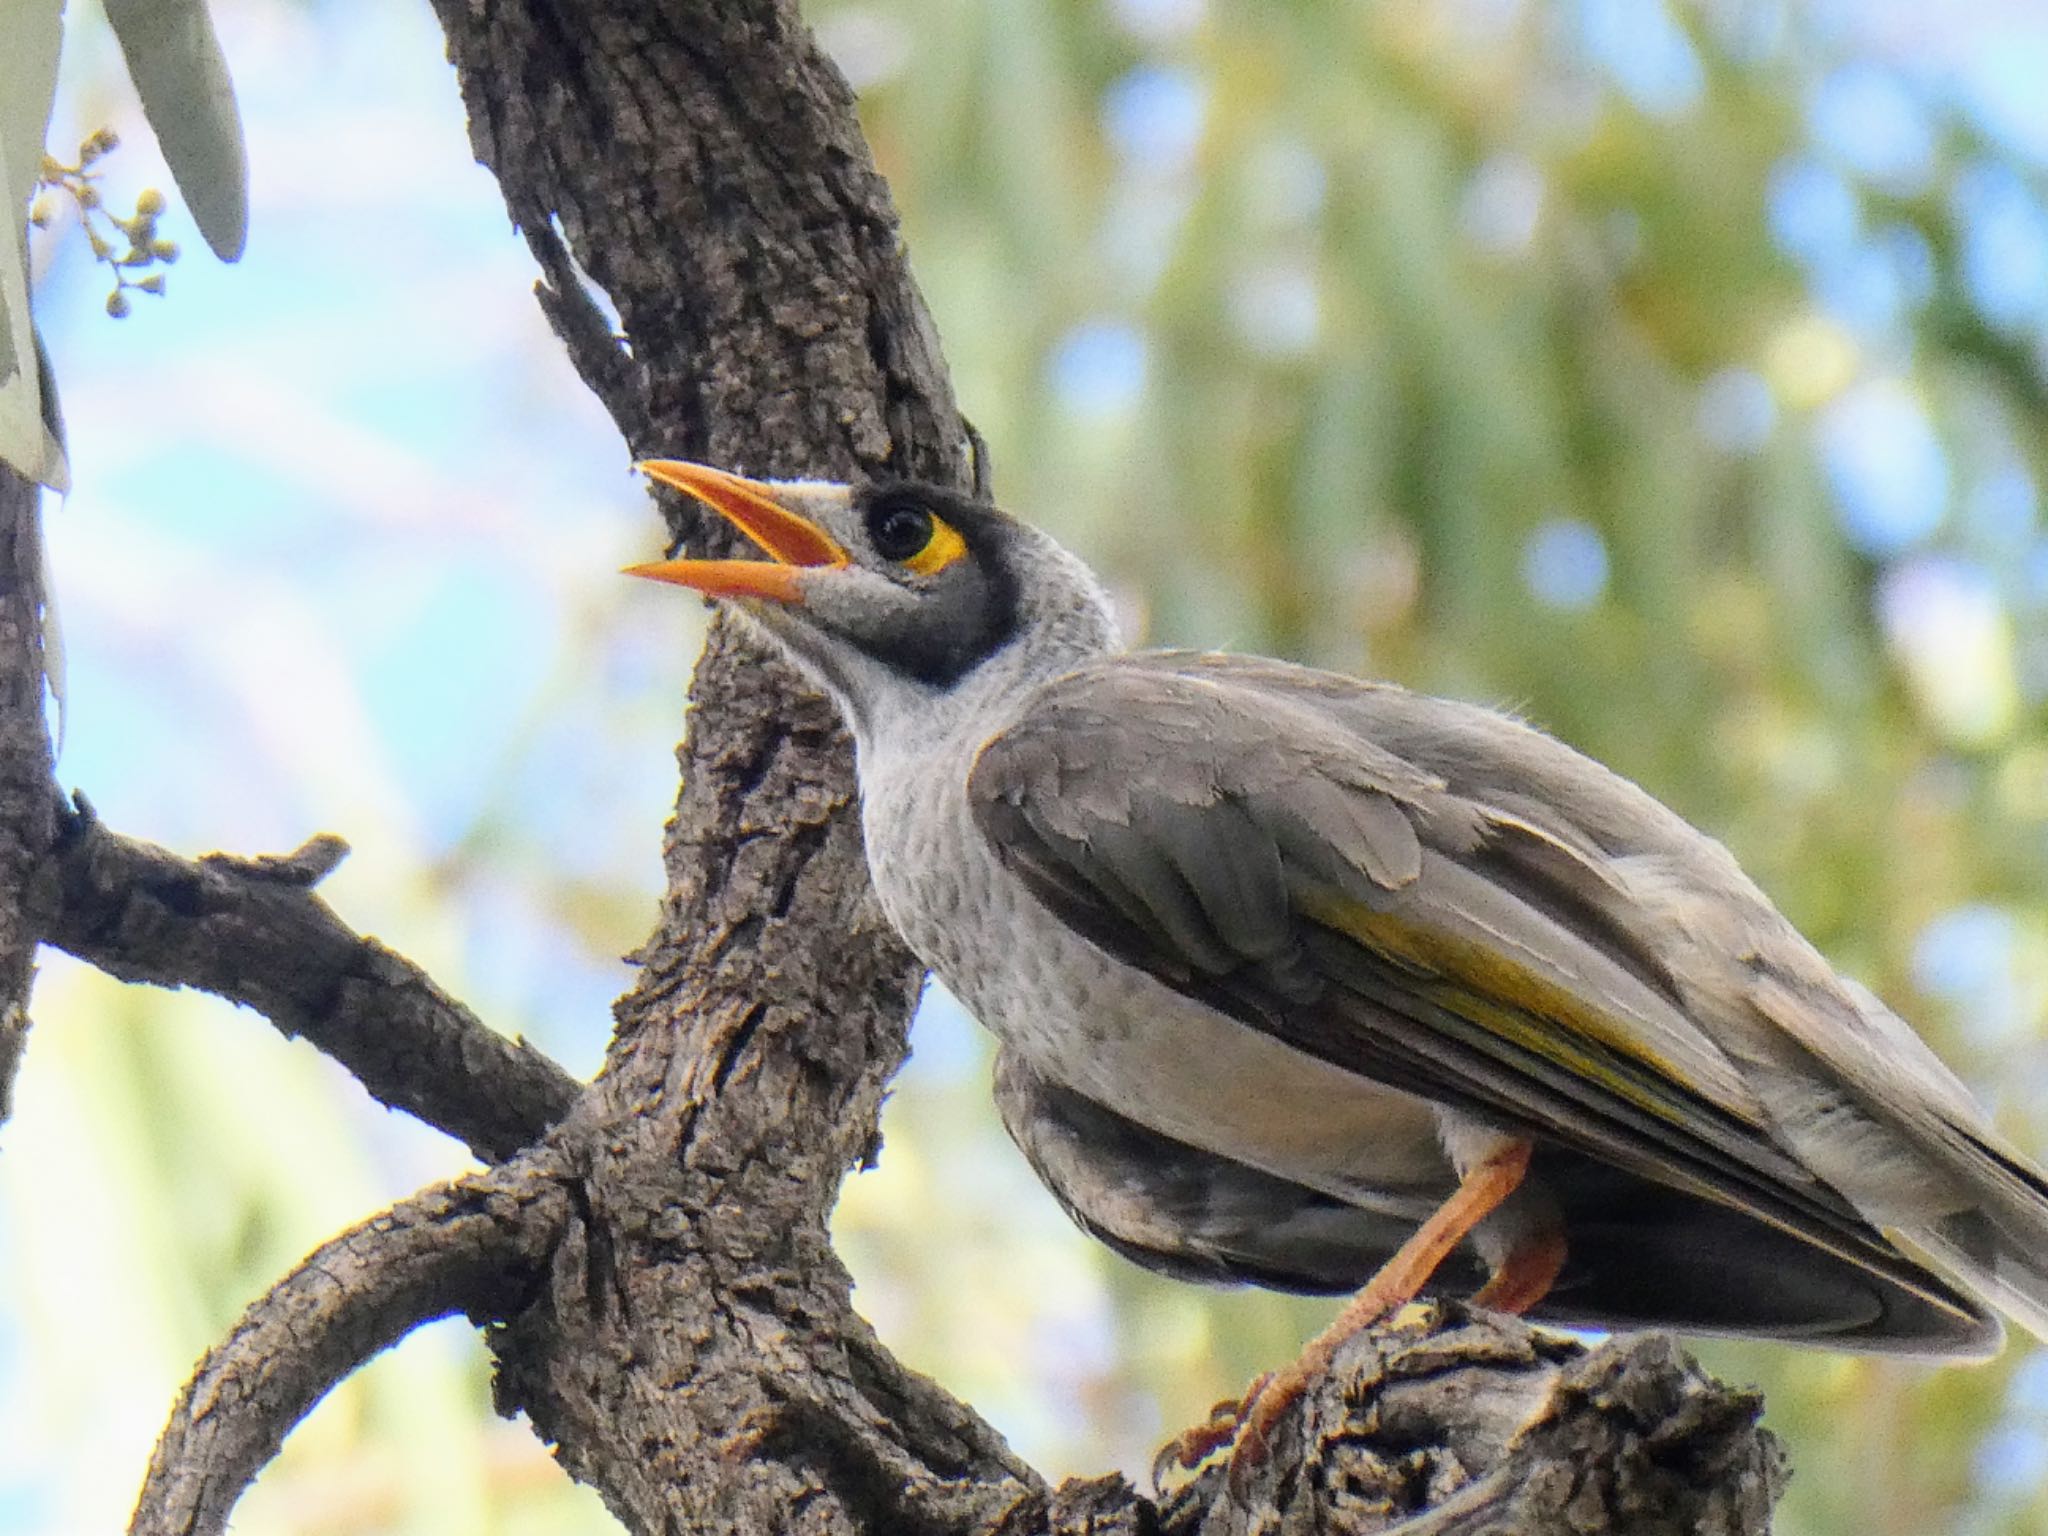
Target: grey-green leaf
{"points": [[34, 30], [179, 71]]}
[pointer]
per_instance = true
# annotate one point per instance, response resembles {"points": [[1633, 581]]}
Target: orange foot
{"points": [[1191, 1447], [1522, 1281]]}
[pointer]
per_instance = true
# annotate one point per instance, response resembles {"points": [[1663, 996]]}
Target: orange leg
{"points": [[1520, 1284], [1526, 1276]]}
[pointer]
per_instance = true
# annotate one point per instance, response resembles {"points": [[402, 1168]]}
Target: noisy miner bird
{"points": [[1325, 985]]}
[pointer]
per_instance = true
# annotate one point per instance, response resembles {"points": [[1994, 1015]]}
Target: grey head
{"points": [[907, 602]]}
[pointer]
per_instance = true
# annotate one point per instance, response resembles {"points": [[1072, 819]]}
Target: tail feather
{"points": [[1982, 1257], [1997, 1245]]}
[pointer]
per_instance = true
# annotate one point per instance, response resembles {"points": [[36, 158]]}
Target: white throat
{"points": [[1064, 619]]}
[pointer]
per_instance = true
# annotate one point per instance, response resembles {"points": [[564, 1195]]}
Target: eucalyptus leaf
{"points": [[34, 30], [181, 75]]}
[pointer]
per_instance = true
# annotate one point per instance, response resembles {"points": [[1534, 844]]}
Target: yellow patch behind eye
{"points": [[940, 550]]}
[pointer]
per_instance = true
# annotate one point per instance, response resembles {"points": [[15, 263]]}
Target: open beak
{"points": [[793, 543]]}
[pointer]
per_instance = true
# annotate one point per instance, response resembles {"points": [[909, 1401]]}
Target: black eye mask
{"points": [[964, 613]]}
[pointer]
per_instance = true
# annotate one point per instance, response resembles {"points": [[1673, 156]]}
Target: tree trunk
{"points": [[654, 1269], [28, 792]]}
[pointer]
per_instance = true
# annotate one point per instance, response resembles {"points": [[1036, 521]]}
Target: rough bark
{"points": [[28, 810], [470, 1246], [1457, 1424], [653, 1267], [704, 165], [253, 931]]}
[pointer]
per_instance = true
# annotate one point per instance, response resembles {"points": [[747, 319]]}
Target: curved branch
{"points": [[474, 1246], [253, 931]]}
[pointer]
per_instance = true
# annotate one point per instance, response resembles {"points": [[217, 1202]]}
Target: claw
{"points": [[1270, 1397], [1193, 1446], [1247, 1426]]}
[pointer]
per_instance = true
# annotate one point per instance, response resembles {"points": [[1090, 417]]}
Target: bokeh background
{"points": [[1676, 373]]}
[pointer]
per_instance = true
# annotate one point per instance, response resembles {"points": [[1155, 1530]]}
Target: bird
{"points": [[1317, 983]]}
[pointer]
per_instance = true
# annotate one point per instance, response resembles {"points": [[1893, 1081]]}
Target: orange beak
{"points": [[793, 543]]}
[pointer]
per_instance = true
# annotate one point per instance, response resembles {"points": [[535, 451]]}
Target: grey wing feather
{"points": [[1203, 814], [1231, 867], [1172, 800], [1848, 1084], [1162, 789], [1865, 1101], [1356, 842]]}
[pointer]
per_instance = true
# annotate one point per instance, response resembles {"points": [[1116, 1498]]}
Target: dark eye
{"points": [[899, 532]]}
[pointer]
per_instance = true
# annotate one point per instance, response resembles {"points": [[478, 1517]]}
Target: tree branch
{"points": [[474, 1246], [1458, 1423], [253, 931], [27, 817], [600, 356]]}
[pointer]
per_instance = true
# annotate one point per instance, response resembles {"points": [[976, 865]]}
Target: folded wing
{"points": [[1439, 899]]}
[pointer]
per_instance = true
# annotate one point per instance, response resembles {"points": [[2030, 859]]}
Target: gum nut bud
{"points": [[150, 204], [154, 283], [165, 251], [117, 304], [88, 197]]}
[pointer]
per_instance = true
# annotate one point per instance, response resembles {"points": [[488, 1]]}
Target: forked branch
{"points": [[254, 931]]}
